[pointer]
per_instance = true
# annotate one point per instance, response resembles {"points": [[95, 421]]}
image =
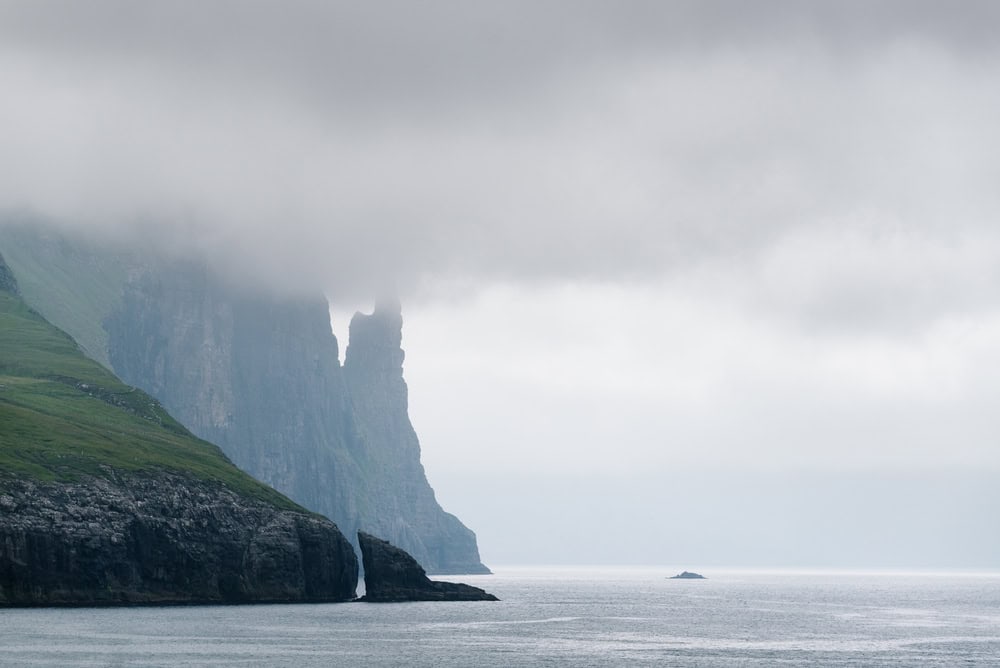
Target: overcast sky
{"points": [[630, 237]]}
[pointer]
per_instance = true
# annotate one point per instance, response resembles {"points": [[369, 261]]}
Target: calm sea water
{"points": [[554, 617]]}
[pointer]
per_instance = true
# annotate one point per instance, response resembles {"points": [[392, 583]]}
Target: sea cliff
{"points": [[106, 499], [259, 375], [393, 576], [162, 538]]}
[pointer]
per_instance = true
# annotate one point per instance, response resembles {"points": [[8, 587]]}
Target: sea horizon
{"points": [[915, 571], [557, 615]]}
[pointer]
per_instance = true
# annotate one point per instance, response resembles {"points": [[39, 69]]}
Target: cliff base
{"points": [[393, 576]]}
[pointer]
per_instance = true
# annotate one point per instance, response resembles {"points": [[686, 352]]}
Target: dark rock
{"points": [[392, 576], [687, 575], [163, 539]]}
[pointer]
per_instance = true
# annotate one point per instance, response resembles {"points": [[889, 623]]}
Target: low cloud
{"points": [[414, 148]]}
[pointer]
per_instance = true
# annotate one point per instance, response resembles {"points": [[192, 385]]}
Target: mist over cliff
{"points": [[258, 374]]}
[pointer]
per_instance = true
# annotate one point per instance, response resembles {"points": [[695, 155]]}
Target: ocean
{"points": [[551, 616]]}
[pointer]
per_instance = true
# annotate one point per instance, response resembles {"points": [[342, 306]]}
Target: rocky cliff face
{"points": [[162, 539], [373, 372], [393, 576], [260, 377], [106, 499]]}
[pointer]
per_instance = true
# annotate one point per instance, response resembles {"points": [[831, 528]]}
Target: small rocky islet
{"points": [[687, 575]]}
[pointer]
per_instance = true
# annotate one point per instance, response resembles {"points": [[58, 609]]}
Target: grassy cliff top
{"points": [[70, 281], [63, 416]]}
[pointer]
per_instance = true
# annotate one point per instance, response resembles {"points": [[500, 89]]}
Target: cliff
{"points": [[393, 576], [259, 375], [106, 499], [373, 374], [162, 538]]}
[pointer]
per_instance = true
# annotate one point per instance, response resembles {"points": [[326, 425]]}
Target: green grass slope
{"points": [[71, 282], [63, 416]]}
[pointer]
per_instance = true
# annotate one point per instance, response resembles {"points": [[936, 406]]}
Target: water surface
{"points": [[554, 617]]}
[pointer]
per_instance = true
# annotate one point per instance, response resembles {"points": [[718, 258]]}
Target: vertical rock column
{"points": [[406, 512]]}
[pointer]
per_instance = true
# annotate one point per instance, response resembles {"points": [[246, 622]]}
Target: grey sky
{"points": [[501, 140], [629, 236]]}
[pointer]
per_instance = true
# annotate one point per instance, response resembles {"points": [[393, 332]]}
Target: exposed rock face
{"points": [[106, 499], [373, 372], [261, 378], [393, 576], [162, 539]]}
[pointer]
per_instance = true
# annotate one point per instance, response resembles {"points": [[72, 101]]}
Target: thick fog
{"points": [[633, 239]]}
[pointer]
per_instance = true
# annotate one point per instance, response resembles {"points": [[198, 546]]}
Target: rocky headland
{"points": [[258, 374], [105, 499], [393, 576], [163, 539]]}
